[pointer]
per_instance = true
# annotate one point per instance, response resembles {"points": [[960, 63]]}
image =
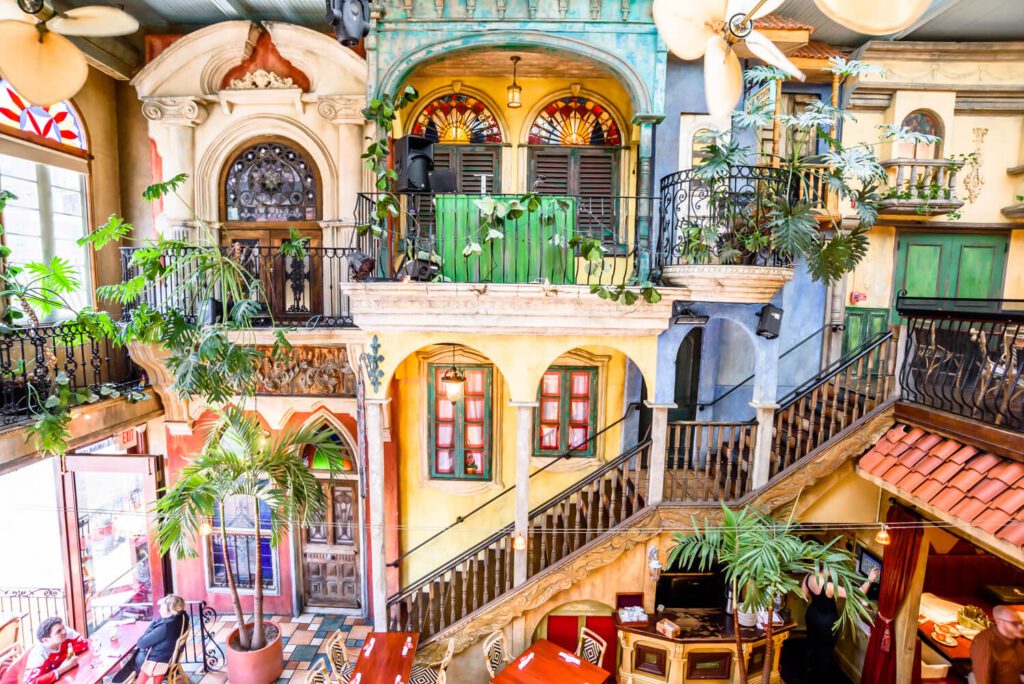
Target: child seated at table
{"points": [[56, 653]]}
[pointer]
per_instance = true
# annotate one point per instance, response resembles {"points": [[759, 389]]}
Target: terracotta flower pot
{"points": [[256, 667]]}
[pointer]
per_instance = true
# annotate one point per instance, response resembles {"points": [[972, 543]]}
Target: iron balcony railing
{"points": [[298, 292], [965, 356], [31, 359], [458, 238]]}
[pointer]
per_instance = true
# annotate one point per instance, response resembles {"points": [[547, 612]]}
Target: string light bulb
{"points": [[883, 538], [205, 529], [519, 542]]}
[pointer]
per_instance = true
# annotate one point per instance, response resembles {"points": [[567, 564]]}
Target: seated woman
{"points": [[156, 645]]}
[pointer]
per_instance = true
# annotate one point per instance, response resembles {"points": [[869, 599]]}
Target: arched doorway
{"points": [[332, 567], [687, 376], [270, 189]]}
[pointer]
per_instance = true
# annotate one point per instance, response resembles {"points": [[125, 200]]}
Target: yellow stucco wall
{"points": [[874, 275], [520, 362], [1013, 287]]}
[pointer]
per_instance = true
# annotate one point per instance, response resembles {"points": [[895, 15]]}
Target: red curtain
{"points": [[898, 566]]}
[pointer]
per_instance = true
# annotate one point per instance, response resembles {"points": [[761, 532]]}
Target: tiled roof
{"points": [[979, 488], [776, 22], [818, 50]]}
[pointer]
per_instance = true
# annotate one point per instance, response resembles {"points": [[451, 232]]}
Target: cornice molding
{"points": [[1011, 51]]}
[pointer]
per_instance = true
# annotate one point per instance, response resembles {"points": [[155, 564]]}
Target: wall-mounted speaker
{"points": [[769, 321], [350, 20], [414, 160]]}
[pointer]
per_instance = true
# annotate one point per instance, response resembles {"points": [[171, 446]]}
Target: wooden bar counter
{"points": [[704, 652]]}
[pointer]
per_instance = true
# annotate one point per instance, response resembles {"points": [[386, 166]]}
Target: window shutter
{"points": [[550, 171], [595, 185], [473, 162]]}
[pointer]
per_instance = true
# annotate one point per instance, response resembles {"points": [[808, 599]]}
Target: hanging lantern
{"points": [[519, 542], [454, 381], [883, 538], [515, 93]]}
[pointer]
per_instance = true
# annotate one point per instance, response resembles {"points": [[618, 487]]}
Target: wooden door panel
{"points": [[332, 569], [923, 269]]}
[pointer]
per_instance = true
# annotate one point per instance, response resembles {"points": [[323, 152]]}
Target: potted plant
{"points": [[764, 560], [240, 465]]}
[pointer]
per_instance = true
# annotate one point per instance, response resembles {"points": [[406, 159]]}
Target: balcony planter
{"points": [[728, 283], [256, 667]]}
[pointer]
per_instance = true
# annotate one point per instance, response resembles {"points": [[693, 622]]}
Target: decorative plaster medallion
{"points": [[307, 371], [261, 79]]}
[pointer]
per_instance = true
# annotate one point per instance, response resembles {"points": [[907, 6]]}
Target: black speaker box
{"points": [[769, 321], [414, 160]]}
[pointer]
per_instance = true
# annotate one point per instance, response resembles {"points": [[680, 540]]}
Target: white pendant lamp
{"points": [[710, 28], [38, 61], [873, 17]]}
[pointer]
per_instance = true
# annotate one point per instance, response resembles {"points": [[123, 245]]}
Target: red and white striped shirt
{"points": [[42, 663]]}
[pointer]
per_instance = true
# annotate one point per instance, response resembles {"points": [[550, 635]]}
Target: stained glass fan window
{"points": [[271, 182], [575, 121], [926, 124], [58, 122], [457, 118]]}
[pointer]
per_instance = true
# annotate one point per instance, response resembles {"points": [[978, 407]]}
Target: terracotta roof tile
{"points": [[946, 449], [927, 442], [965, 453], [1013, 532], [818, 50], [884, 465], [992, 520], [896, 433], [870, 460], [927, 491], [1008, 471], [965, 479], [912, 481], [988, 489], [968, 509], [928, 464], [896, 473], [946, 472], [1010, 501], [914, 435], [984, 463], [777, 21], [947, 499], [899, 448]]}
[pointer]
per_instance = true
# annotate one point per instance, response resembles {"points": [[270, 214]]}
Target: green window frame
{"points": [[460, 435], [565, 410]]}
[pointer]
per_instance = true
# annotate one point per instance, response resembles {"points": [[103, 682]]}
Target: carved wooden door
{"points": [[330, 554]]}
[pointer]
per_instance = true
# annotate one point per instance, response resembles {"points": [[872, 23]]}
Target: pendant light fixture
{"points": [[454, 381], [882, 538], [519, 542], [515, 93], [37, 60]]}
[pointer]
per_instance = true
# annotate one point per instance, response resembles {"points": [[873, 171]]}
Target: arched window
{"points": [[926, 123], [455, 119], [48, 179], [271, 182], [574, 121]]}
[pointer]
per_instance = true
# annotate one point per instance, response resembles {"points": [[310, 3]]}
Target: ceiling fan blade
{"points": [[684, 25], [874, 17], [44, 68], [742, 7], [766, 50], [9, 11], [94, 20], [723, 77]]}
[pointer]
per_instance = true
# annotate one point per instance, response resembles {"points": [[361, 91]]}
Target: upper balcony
{"points": [[1015, 210], [921, 187]]}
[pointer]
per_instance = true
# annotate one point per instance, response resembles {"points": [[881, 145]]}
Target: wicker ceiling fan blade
{"points": [[686, 26], [95, 21], [723, 77], [768, 52], [44, 68], [873, 17]]}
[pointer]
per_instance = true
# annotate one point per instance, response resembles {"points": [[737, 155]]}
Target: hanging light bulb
{"points": [[205, 529], [454, 381], [515, 93], [519, 542], [883, 538]]}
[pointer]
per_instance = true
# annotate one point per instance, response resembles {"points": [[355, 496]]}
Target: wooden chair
{"points": [[591, 647], [172, 672], [434, 674], [337, 656], [495, 653], [10, 630], [317, 674]]}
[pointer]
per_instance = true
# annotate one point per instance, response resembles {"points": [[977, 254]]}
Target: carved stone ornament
{"points": [[261, 79], [186, 111], [342, 108], [323, 371], [973, 182]]}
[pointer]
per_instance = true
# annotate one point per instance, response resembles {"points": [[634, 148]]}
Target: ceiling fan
{"points": [[873, 17], [35, 57], [710, 28]]}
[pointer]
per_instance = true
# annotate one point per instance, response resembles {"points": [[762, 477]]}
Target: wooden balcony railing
{"points": [[925, 187], [709, 461], [965, 356]]}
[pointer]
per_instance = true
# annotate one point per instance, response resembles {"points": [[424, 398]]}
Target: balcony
{"points": [[966, 357], [1015, 210], [32, 358], [920, 187]]}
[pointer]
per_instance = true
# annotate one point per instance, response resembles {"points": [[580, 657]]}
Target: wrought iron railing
{"points": [[35, 605], [298, 292], [448, 238], [31, 358], [965, 356]]}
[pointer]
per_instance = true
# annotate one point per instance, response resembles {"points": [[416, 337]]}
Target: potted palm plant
{"points": [[765, 560], [243, 467]]}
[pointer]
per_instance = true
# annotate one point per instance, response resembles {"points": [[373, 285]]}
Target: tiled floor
{"points": [[303, 637]]}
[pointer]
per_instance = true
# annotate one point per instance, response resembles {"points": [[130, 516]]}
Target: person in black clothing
{"points": [[158, 641], [822, 613]]}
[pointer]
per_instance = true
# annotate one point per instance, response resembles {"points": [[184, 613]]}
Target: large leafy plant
{"points": [[764, 560]]}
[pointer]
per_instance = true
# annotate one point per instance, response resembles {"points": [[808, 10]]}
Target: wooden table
{"points": [[102, 658], [547, 668], [385, 661]]}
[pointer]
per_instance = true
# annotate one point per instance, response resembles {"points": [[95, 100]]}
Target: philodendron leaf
{"points": [[471, 249], [493, 234]]}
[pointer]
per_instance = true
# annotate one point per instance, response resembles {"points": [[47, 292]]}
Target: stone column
{"points": [[766, 383], [659, 451], [644, 190], [524, 451], [375, 491], [345, 112], [172, 126]]}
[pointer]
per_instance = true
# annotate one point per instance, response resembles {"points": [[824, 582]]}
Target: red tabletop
{"points": [[384, 662], [547, 667], [962, 650], [102, 658]]}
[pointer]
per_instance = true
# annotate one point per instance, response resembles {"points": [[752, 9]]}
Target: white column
{"points": [[172, 126], [346, 112], [375, 490], [766, 383], [524, 450], [765, 415], [659, 451]]}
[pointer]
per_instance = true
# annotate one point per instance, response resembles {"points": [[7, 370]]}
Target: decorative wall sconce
{"points": [[654, 565]]}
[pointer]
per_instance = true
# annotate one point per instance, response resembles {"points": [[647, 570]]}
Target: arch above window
{"points": [[58, 123], [925, 123], [575, 120], [457, 118], [271, 182]]}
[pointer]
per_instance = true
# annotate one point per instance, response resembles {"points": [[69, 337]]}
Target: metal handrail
{"points": [[960, 308], [744, 381], [556, 459], [508, 529], [834, 368]]}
